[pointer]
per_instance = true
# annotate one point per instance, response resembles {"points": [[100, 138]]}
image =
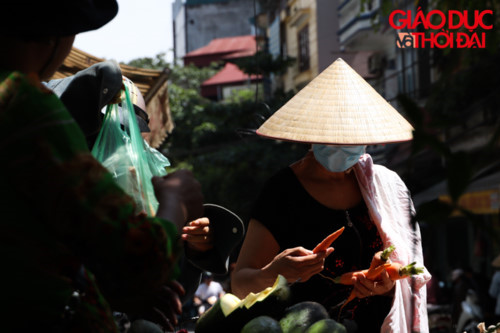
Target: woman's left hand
{"points": [[364, 287], [198, 235]]}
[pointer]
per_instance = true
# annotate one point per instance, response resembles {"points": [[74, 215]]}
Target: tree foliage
{"points": [[187, 106], [230, 161], [217, 141], [158, 62], [263, 63]]}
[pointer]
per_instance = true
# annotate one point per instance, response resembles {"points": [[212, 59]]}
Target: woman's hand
{"points": [[364, 287], [198, 235], [298, 263]]}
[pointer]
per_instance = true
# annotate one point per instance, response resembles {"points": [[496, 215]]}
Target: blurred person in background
{"points": [[208, 292]]}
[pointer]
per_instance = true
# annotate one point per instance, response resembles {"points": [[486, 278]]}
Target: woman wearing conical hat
{"points": [[337, 185]]}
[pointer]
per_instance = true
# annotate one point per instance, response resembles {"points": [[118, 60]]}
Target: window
{"points": [[303, 39]]}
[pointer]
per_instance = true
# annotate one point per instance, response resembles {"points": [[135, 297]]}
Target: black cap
{"points": [[54, 17]]}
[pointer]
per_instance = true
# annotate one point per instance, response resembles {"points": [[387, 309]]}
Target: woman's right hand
{"points": [[198, 235], [298, 263]]}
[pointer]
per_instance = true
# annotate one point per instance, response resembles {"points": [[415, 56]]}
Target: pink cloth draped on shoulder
{"points": [[390, 206]]}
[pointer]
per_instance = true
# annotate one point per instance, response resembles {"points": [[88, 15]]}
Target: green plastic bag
{"points": [[121, 149]]}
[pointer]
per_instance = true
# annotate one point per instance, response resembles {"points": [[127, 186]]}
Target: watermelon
{"points": [[262, 324], [300, 316], [326, 326], [216, 318], [272, 301]]}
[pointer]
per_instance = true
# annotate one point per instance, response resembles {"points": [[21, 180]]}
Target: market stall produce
{"points": [[267, 311]]}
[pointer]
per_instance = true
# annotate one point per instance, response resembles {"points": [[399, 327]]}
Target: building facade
{"points": [[458, 241], [197, 22], [308, 33], [230, 79]]}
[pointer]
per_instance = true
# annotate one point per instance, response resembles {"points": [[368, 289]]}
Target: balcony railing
{"points": [[353, 18]]}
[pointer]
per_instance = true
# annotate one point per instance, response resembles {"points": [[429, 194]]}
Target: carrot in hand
{"points": [[381, 257], [397, 271], [325, 243], [379, 260], [368, 273], [376, 267], [371, 274]]}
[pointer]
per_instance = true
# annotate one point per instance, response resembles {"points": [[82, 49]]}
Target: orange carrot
{"points": [[325, 243], [372, 274], [376, 271], [381, 257], [347, 278], [397, 271], [377, 265]]}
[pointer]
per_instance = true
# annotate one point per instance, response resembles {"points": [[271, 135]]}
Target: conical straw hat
{"points": [[337, 107]]}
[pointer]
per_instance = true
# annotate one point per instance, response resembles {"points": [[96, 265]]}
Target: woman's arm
{"points": [[260, 262], [259, 249], [179, 197]]}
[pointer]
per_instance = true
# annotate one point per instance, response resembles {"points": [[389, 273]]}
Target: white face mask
{"points": [[337, 158]]}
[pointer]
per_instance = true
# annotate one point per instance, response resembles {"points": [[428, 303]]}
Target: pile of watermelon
{"points": [[269, 311]]}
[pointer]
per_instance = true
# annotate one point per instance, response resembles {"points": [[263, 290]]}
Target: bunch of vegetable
{"points": [[379, 263]]}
